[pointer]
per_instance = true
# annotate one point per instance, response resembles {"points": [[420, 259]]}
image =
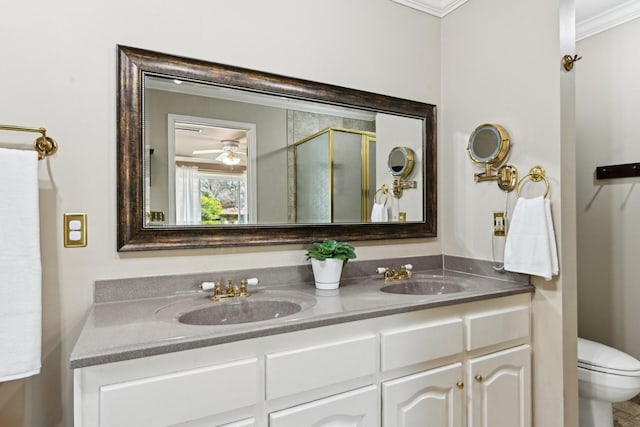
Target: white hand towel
{"points": [[20, 269], [530, 247], [379, 213]]}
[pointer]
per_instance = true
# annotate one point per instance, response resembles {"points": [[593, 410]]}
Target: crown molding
{"points": [[608, 19], [437, 8]]}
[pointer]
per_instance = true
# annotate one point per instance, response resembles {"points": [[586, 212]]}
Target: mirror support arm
{"points": [[487, 175], [507, 177], [399, 185]]}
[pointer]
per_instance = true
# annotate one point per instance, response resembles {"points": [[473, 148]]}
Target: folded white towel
{"points": [[379, 213], [530, 247], [20, 269]]}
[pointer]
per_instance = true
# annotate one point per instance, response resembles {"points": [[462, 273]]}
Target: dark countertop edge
{"points": [[80, 361]]}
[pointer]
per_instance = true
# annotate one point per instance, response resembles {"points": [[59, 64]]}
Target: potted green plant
{"points": [[328, 259]]}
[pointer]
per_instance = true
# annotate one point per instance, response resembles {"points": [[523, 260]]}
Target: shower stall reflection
{"points": [[334, 176]]}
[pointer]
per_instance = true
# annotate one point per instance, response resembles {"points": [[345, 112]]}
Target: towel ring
{"points": [[385, 191], [536, 174]]}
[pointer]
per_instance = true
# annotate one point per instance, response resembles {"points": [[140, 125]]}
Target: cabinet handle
{"points": [[479, 378], [460, 384]]}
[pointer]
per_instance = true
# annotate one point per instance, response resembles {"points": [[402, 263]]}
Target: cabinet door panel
{"points": [[249, 422], [207, 422], [501, 389], [357, 408], [430, 398]]}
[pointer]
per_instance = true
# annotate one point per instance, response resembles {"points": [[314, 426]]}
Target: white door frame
{"points": [[252, 182]]}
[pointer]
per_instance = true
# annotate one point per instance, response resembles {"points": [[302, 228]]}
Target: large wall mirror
{"points": [[215, 155]]}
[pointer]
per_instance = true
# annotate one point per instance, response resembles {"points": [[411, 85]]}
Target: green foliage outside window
{"points": [[211, 209]]}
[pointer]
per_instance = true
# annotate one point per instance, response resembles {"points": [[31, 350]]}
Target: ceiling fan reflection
{"points": [[229, 152]]}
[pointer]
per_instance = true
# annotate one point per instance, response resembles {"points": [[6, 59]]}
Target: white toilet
{"points": [[605, 376]]}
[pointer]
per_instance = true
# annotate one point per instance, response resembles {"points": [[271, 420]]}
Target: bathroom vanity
{"points": [[355, 357]]}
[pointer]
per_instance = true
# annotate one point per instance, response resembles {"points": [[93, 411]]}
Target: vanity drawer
{"points": [[308, 368], [179, 396], [495, 327], [423, 343]]}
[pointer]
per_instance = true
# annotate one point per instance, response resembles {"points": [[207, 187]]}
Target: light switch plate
{"points": [[75, 230], [499, 224]]}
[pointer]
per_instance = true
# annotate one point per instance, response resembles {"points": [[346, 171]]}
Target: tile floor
{"points": [[627, 414]]}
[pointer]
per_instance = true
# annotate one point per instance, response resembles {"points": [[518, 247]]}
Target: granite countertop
{"points": [[134, 328]]}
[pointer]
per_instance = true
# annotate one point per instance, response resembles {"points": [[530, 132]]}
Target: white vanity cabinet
{"points": [[468, 378], [408, 369]]}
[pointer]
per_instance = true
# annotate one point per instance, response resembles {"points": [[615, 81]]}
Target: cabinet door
{"points": [[245, 422], [249, 422], [429, 398], [357, 408], [500, 389]]}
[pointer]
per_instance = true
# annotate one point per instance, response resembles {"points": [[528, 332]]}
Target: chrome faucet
{"points": [[391, 274], [231, 291]]}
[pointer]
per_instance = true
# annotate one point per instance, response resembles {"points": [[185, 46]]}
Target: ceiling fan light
{"points": [[231, 159]]}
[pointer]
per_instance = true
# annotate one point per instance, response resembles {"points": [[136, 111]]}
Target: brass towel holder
{"points": [[536, 174], [44, 145], [383, 191]]}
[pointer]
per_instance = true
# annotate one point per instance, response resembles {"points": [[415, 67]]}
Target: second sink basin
{"points": [[234, 312], [427, 285]]}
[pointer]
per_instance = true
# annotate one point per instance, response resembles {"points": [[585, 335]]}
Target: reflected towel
{"points": [[379, 213], [530, 247], [20, 269]]}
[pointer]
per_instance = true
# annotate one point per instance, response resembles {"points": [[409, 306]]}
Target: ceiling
{"points": [[592, 16], [193, 137]]}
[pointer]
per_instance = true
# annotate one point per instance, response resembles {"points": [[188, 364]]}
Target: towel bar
{"points": [[44, 145], [618, 171]]}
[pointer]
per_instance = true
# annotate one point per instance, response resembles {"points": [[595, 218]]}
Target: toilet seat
{"points": [[598, 357]]}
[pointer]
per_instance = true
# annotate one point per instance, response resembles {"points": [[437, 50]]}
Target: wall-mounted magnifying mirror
{"points": [[400, 163], [488, 147]]}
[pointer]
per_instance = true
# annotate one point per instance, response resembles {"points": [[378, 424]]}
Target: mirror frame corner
{"points": [[132, 235]]}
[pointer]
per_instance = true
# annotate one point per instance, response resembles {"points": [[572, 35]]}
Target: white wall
{"points": [[501, 64], [608, 129], [394, 131], [59, 71]]}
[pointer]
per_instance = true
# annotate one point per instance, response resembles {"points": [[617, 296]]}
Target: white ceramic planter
{"points": [[327, 273]]}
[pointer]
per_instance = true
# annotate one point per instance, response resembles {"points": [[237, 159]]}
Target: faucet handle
{"points": [[381, 270], [207, 286], [229, 284], [408, 267], [243, 286]]}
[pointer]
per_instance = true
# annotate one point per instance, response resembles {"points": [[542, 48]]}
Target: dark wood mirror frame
{"points": [[134, 64]]}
